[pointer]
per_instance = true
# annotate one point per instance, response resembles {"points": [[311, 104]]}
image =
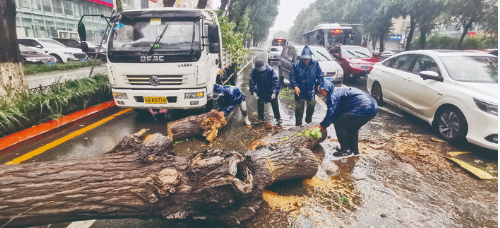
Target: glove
{"points": [[255, 96], [273, 96]]}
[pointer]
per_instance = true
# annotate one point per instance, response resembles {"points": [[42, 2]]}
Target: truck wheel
{"points": [[232, 80], [218, 80]]}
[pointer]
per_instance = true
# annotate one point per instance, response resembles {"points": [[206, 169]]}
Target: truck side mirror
{"points": [[214, 48], [213, 34], [81, 32]]}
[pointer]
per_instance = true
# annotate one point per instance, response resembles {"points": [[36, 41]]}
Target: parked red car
{"points": [[355, 60]]}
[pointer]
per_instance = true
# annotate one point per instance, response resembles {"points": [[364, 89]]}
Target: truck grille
{"points": [[80, 55], [164, 79]]}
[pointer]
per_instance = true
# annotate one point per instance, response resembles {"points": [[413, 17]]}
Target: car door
{"points": [[393, 76], [419, 95], [288, 58], [282, 61]]}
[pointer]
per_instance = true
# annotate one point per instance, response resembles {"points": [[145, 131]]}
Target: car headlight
{"points": [[68, 53], [340, 72], [487, 106], [324, 74], [355, 65], [193, 95], [120, 95]]}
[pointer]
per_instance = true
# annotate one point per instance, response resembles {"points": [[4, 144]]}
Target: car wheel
{"points": [[377, 93], [451, 124], [58, 59], [280, 74]]}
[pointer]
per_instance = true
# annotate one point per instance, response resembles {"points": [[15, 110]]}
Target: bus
{"points": [[279, 42], [328, 34]]}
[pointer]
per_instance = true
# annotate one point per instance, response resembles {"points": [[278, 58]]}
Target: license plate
{"points": [[155, 100], [329, 79], [82, 59], [367, 74], [51, 63]]}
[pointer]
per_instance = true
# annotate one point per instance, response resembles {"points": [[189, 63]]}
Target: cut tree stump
{"points": [[207, 124], [140, 178]]}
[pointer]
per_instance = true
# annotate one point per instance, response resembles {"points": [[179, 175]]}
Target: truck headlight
{"points": [[120, 95], [194, 95], [487, 106]]}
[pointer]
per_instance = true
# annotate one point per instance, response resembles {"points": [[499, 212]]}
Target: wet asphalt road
{"points": [[401, 178]]}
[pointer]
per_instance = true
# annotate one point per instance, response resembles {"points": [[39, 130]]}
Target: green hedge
{"points": [[61, 99], [30, 68], [446, 42]]}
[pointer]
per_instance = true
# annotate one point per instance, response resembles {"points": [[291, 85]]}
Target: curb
{"points": [[21, 136]]}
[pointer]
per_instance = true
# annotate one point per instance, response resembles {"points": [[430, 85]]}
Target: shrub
{"points": [[30, 68]]}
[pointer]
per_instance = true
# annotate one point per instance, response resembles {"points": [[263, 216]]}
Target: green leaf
{"points": [[316, 132], [287, 138], [342, 199], [299, 134], [307, 133], [176, 142]]}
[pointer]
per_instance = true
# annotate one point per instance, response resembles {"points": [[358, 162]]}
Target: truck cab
{"points": [[165, 58]]}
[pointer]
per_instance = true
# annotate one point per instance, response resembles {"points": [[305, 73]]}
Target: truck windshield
{"points": [[140, 35]]}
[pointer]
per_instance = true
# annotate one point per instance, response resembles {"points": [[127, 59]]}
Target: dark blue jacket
{"points": [[229, 98], [264, 83], [307, 78], [343, 100]]}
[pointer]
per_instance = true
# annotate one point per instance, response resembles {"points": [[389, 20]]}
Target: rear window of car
{"points": [[472, 68], [356, 52], [276, 49]]}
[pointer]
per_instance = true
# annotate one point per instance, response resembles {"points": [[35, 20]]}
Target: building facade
{"points": [[59, 18]]}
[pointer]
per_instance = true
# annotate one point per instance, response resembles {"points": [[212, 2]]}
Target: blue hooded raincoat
{"points": [[307, 78], [230, 97], [264, 83], [342, 100]]}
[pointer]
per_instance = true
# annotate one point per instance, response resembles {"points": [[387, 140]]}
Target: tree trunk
{"points": [[422, 38], [168, 3], [381, 38], [12, 80], [223, 4], [202, 4], [466, 30], [140, 178], [119, 6], [413, 23], [206, 124]]}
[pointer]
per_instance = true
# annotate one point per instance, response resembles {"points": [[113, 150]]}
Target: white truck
{"points": [[167, 58]]}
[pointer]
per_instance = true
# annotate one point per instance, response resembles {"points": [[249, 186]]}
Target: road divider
{"points": [[21, 136]]}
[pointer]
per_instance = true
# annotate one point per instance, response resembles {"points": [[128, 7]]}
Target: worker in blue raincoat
{"points": [[265, 86], [348, 109], [227, 98], [304, 79]]}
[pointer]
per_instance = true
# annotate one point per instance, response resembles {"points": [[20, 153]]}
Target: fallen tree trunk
{"points": [[206, 124], [140, 178]]}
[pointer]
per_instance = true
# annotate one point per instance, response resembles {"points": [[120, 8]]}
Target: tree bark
{"points": [[119, 6], [413, 24], [12, 80], [206, 124], [467, 26], [140, 178], [381, 38], [422, 39]]}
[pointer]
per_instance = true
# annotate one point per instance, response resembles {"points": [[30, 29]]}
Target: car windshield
{"points": [[356, 52], [472, 68], [140, 34], [276, 49], [318, 53], [50, 43]]}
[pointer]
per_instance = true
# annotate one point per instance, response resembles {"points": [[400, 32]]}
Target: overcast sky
{"points": [[288, 11]]}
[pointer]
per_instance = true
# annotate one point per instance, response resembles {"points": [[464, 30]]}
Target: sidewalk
{"points": [[45, 79]]}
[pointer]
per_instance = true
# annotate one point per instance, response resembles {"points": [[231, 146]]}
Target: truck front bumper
{"points": [[175, 99]]}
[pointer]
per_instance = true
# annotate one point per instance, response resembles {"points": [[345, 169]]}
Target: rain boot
{"points": [[247, 121]]}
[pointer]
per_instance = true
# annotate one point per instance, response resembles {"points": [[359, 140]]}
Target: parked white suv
{"points": [[455, 91], [54, 48]]}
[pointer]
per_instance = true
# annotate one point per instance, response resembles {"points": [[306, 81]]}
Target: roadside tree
{"points": [[12, 80]]}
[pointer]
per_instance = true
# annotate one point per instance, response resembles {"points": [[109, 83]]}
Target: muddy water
{"points": [[401, 178]]}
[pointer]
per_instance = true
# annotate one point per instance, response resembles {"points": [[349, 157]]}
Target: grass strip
{"points": [[27, 110], [30, 68]]}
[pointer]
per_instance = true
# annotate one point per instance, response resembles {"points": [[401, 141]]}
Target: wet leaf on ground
{"points": [[456, 153]]}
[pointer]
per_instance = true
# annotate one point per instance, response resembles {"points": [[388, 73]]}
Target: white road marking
{"points": [[81, 224]]}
